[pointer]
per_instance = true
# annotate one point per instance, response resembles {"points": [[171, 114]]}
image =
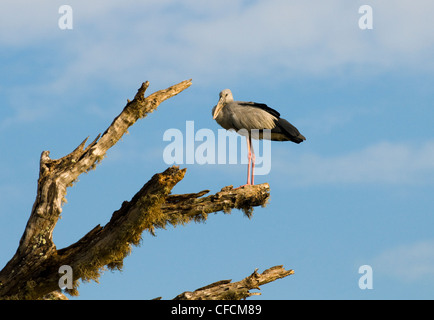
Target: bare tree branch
{"points": [[227, 290], [190, 206]]}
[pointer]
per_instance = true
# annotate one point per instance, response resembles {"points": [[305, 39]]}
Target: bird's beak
{"points": [[218, 109]]}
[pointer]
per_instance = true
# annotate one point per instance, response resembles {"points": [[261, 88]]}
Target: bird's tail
{"points": [[290, 131]]}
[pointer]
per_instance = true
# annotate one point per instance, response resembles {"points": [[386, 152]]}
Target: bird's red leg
{"points": [[253, 162], [250, 158], [250, 155]]}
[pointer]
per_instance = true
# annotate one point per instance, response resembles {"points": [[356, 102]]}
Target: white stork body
{"points": [[238, 115]]}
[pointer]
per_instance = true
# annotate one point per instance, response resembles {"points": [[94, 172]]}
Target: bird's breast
{"points": [[225, 120]]}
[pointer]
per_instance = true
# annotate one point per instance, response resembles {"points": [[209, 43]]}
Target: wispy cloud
{"points": [[124, 43], [203, 40], [407, 262], [383, 162]]}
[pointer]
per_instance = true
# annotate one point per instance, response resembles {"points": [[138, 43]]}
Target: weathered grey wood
{"points": [[227, 290]]}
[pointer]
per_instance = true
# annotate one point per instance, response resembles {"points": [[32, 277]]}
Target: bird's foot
{"points": [[244, 185]]}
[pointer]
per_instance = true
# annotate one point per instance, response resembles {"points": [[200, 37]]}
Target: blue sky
{"points": [[357, 192]]}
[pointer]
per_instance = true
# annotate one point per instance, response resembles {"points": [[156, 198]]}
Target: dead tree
{"points": [[33, 272]]}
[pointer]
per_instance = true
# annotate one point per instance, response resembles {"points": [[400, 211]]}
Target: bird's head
{"points": [[224, 97]]}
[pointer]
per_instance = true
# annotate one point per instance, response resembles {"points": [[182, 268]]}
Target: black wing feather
{"points": [[283, 127], [262, 106]]}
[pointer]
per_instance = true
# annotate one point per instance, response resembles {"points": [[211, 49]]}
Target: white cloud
{"points": [[383, 162], [225, 39], [312, 37], [407, 262], [24, 115]]}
